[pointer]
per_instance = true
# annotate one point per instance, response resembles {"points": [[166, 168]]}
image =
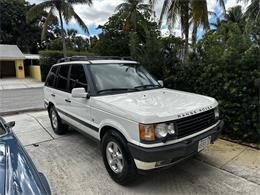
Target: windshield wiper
{"points": [[117, 89], [147, 86]]}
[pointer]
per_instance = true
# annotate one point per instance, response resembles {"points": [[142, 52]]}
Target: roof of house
{"points": [[10, 52]]}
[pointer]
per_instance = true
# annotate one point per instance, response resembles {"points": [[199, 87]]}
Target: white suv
{"points": [[139, 124]]}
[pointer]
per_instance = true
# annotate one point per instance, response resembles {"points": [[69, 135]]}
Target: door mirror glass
{"points": [[160, 82], [79, 93]]}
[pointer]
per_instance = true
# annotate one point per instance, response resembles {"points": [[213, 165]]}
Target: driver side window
{"points": [[77, 77]]}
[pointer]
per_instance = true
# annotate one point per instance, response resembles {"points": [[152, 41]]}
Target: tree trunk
{"points": [[63, 36], [194, 35], [185, 25]]}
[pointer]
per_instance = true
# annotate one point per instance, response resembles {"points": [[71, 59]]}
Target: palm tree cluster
{"points": [[65, 11], [190, 12]]}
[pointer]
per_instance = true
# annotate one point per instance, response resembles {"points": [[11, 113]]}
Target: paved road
{"points": [[20, 100], [73, 165]]}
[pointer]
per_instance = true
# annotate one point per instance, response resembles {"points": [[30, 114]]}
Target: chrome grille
{"points": [[193, 124]]}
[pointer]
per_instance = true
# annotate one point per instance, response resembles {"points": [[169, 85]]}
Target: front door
{"points": [[80, 107]]}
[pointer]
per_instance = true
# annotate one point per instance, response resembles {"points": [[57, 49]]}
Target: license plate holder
{"points": [[204, 143]]}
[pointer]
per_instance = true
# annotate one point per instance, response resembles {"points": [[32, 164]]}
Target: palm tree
{"points": [[65, 10], [253, 9], [193, 12], [132, 12]]}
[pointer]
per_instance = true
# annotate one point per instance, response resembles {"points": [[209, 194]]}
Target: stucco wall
{"points": [[35, 72], [19, 68]]}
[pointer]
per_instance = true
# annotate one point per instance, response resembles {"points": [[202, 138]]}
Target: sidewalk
{"points": [[14, 83], [73, 165]]}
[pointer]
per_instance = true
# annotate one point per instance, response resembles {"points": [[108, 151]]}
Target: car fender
{"points": [[117, 126]]}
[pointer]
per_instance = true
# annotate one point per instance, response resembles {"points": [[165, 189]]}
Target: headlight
{"points": [[152, 132], [161, 130], [216, 112]]}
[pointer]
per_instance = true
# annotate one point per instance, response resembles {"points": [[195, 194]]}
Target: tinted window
{"points": [[77, 77], [50, 81], [62, 78]]}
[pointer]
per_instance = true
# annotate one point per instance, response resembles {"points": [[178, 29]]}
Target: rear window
{"points": [[50, 81], [62, 78]]}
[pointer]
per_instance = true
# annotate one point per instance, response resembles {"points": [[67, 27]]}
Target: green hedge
{"points": [[50, 57], [230, 73]]}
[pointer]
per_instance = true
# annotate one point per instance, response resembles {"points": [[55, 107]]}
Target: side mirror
{"points": [[10, 124], [160, 82], [79, 93]]}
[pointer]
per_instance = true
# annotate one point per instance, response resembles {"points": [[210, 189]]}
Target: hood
{"points": [[17, 170], [155, 105]]}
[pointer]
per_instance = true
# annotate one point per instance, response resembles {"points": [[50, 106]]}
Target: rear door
{"points": [[62, 101], [49, 95]]}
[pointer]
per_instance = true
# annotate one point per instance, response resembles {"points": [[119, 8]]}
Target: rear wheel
{"points": [[117, 159], [56, 122]]}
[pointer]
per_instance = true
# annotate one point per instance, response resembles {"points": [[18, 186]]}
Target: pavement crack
{"points": [[222, 166], [225, 170], [41, 125]]}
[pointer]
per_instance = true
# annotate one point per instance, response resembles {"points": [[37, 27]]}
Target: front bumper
{"points": [[150, 158]]}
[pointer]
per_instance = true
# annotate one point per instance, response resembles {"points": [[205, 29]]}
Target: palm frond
{"points": [[200, 13], [37, 9], [67, 11], [88, 2], [163, 11], [222, 5], [47, 22], [79, 20]]}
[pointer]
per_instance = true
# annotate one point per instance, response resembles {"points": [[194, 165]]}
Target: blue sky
{"points": [[99, 12]]}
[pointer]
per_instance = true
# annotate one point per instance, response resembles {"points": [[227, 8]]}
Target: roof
{"points": [[32, 56], [10, 52]]}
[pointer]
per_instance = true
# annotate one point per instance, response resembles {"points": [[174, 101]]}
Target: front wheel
{"points": [[117, 159]]}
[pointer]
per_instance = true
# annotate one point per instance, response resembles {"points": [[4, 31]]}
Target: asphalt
{"points": [[20, 100], [73, 165]]}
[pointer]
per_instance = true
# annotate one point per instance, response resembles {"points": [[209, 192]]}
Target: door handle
{"points": [[53, 95], [67, 100]]}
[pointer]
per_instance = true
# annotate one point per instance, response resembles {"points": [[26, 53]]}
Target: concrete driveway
{"points": [[15, 83], [73, 165]]}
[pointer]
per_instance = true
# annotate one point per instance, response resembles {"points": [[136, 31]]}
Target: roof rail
{"points": [[88, 58]]}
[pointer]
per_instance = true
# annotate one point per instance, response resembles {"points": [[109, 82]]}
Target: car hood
{"points": [[17, 170], [155, 105]]}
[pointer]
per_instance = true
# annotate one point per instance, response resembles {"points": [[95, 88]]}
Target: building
{"points": [[13, 63]]}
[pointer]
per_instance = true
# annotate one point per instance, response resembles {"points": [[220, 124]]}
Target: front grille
{"points": [[192, 124]]}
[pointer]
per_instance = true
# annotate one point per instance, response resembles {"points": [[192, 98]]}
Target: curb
{"points": [[21, 111]]}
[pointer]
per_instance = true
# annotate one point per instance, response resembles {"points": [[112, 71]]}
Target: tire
{"points": [[56, 123], [122, 175]]}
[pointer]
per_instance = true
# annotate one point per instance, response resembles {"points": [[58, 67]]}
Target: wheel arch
{"points": [[116, 127]]}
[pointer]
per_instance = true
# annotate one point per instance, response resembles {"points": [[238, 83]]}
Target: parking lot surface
{"points": [[73, 165]]}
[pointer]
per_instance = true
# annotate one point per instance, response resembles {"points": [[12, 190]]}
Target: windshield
{"points": [[121, 77]]}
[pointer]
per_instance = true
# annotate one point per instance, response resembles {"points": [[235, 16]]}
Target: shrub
{"points": [[230, 73], [50, 57]]}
